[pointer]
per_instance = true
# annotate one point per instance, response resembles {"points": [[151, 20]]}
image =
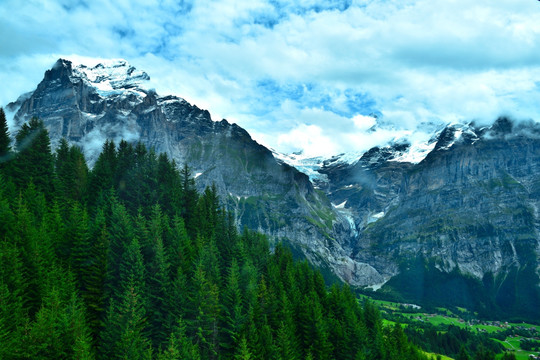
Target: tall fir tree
{"points": [[95, 295], [126, 319], [34, 160], [232, 317], [189, 200], [243, 352], [71, 172], [179, 346], [204, 305], [103, 174], [463, 355], [158, 285], [121, 232], [169, 186], [5, 141]]}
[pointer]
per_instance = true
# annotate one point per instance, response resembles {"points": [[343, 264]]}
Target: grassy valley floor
{"points": [[510, 337]]}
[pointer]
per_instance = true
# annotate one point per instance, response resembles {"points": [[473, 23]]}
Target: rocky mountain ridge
{"points": [[465, 216], [440, 221], [87, 105]]}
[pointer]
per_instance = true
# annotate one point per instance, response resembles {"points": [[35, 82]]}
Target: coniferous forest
{"points": [[128, 261]]}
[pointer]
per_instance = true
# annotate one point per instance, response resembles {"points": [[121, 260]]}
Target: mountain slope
{"points": [[461, 226], [88, 105], [453, 220]]}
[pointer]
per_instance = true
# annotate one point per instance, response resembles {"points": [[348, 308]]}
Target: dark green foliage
{"points": [[450, 339], [179, 346], [511, 295], [420, 281], [34, 160], [71, 172], [188, 200], [5, 141], [102, 175], [462, 355], [484, 354], [232, 318], [508, 356], [530, 345], [129, 261]]}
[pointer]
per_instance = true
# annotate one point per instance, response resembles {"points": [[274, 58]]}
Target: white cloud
{"points": [[310, 139], [279, 68], [363, 122]]}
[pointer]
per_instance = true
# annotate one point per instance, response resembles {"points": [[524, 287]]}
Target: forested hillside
{"points": [[129, 261]]}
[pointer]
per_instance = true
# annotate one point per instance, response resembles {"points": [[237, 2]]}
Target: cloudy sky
{"points": [[299, 75]]}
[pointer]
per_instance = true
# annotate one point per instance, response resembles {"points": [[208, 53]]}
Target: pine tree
{"points": [[243, 351], [189, 200], [126, 319], [508, 356], [178, 301], [287, 341], [62, 167], [102, 176], [97, 272], [71, 172], [80, 174], [248, 284], [264, 346], [207, 213], [205, 309], [7, 217], [60, 329], [34, 161], [24, 238], [209, 259], [169, 186], [132, 342], [320, 347], [159, 285], [79, 330], [125, 162], [179, 249], [483, 354], [78, 239], [13, 315], [5, 141], [142, 185], [179, 346], [374, 328], [396, 342], [121, 232], [462, 355], [232, 317], [226, 237], [35, 201], [7, 342]]}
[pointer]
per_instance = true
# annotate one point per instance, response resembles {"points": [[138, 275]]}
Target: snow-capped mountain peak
{"points": [[409, 147], [110, 77], [307, 165]]}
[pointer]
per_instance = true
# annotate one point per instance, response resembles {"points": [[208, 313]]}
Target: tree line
{"points": [[127, 260]]}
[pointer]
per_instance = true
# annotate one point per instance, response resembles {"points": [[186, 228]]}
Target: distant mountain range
{"points": [[453, 220]]}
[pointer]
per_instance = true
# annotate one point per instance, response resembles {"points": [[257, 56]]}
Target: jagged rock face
{"points": [[470, 207], [109, 101], [474, 204]]}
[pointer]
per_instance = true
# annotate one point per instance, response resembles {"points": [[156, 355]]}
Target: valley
{"points": [[520, 338]]}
